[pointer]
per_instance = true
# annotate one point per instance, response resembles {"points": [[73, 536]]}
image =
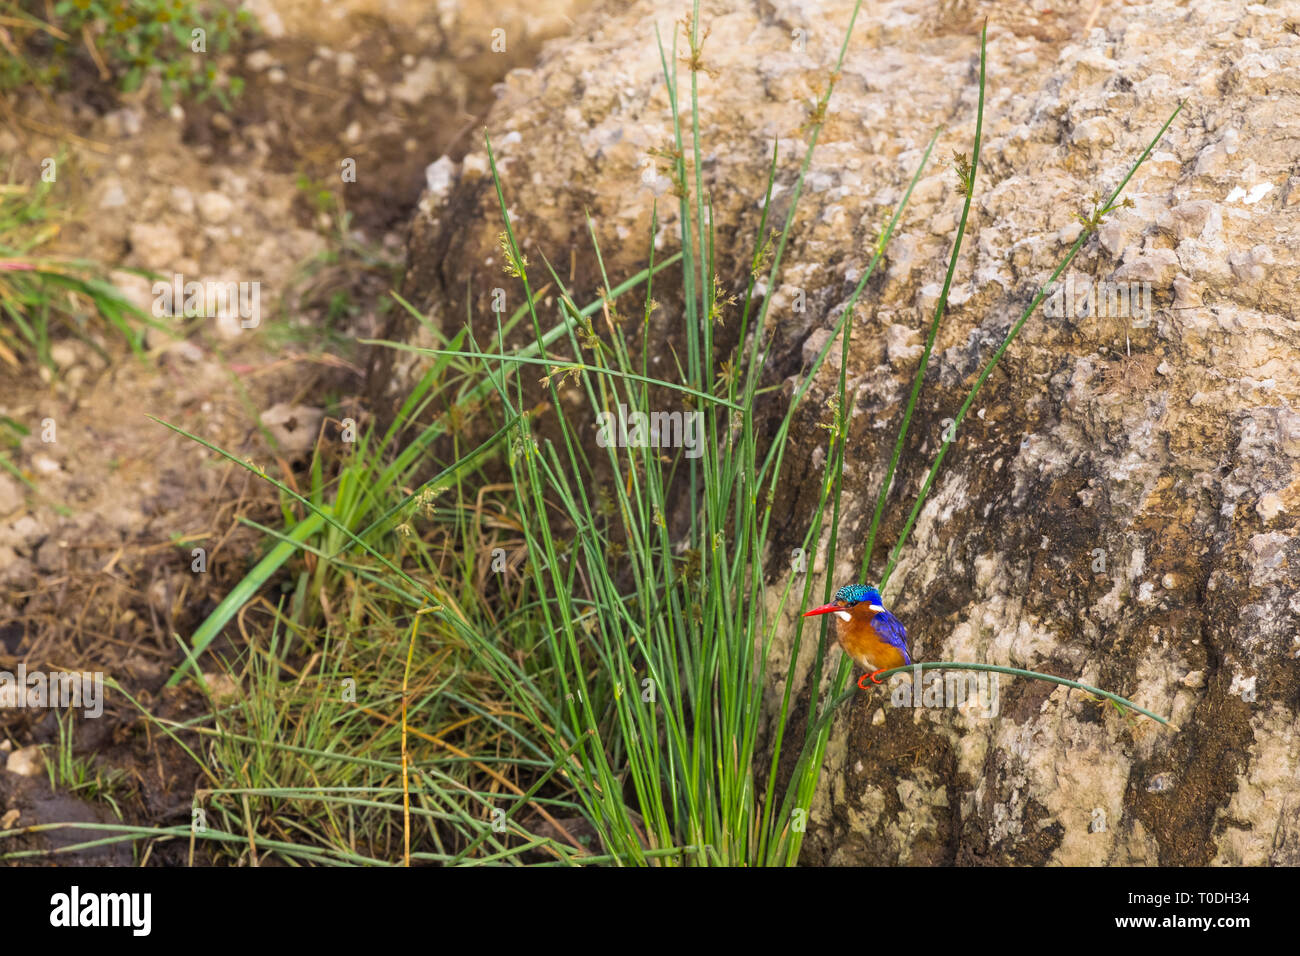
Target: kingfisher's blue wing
{"points": [[891, 631]]}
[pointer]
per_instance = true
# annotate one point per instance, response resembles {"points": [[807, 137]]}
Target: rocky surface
{"points": [[1121, 506]]}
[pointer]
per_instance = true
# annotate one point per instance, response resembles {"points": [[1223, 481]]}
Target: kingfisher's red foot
{"points": [[872, 675]]}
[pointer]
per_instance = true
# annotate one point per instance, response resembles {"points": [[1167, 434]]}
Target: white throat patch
{"points": [[844, 615]]}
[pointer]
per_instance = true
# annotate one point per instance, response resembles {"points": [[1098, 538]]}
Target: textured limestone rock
{"points": [[1121, 505]]}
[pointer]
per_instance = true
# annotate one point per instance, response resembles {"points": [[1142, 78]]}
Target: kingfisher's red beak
{"points": [[824, 609]]}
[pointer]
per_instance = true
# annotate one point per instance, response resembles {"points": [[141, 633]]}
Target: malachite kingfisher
{"points": [[868, 633]]}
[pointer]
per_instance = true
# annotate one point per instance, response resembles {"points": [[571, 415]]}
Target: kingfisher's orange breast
{"points": [[861, 642]]}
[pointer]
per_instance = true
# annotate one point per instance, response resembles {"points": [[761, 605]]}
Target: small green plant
{"points": [[81, 775], [127, 41], [41, 293], [324, 200]]}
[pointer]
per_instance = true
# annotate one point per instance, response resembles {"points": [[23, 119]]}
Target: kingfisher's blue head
{"points": [[852, 594]]}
